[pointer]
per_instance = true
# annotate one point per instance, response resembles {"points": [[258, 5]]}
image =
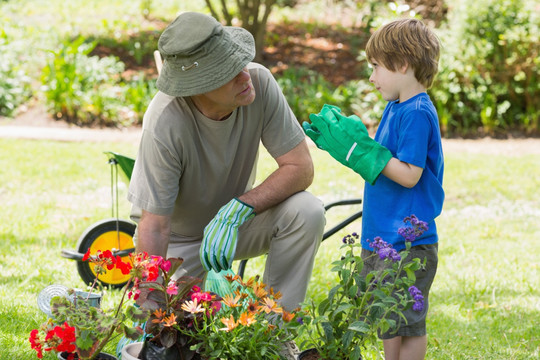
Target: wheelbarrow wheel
{"points": [[103, 236]]}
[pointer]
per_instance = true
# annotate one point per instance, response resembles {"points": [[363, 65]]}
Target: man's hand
{"points": [[347, 140], [221, 235]]}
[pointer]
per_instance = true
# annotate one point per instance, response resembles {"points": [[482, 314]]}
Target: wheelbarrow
{"points": [[113, 234], [116, 234]]}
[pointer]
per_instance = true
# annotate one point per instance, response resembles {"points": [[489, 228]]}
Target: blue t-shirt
{"points": [[410, 130]]}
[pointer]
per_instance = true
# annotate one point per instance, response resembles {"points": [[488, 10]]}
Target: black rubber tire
{"points": [[91, 234]]}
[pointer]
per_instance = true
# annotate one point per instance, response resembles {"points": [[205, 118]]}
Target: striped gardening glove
{"points": [[221, 235], [347, 140]]}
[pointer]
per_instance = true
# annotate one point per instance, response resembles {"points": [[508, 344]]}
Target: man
{"points": [[193, 176]]}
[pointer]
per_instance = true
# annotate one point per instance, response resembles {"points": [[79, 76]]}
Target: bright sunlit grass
{"points": [[485, 302]]}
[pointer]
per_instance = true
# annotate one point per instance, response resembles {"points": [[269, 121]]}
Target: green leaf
{"points": [[356, 354], [328, 331], [359, 326], [347, 338]]}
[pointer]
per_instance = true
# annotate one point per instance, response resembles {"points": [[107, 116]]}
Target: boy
{"points": [[403, 166]]}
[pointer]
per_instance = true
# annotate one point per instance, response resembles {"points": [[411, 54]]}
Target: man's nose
{"points": [[243, 76]]}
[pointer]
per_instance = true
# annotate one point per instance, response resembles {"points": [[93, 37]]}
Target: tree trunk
{"points": [[253, 15]]}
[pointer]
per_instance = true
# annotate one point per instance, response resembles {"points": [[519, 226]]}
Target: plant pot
{"points": [[309, 354], [151, 351], [131, 351], [92, 299], [101, 356]]}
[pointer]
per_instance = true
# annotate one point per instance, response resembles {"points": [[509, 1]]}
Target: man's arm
{"points": [[153, 234], [294, 174], [403, 173]]}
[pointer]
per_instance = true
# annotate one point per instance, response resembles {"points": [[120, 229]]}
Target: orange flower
{"points": [[275, 295], [287, 316], [249, 283], [253, 307], [159, 314], [169, 321], [231, 301], [258, 289], [162, 318], [230, 323], [230, 278], [247, 319], [270, 305]]}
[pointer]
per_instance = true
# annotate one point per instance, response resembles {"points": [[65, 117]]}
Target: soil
{"points": [[310, 354]]}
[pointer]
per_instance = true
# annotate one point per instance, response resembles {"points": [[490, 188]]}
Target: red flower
{"points": [[124, 267], [58, 338], [36, 343]]}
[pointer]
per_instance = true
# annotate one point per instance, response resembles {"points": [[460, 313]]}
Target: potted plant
{"points": [[80, 330], [347, 321], [170, 327], [249, 325]]}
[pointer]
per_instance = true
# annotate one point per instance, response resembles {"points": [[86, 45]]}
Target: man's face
{"points": [[237, 92]]}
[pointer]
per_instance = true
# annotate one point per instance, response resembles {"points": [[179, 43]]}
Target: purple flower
{"points": [[378, 243], [417, 297], [418, 305], [384, 249], [389, 253], [350, 238], [414, 231]]}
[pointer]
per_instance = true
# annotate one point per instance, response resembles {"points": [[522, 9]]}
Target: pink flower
{"points": [[165, 266], [201, 296], [216, 306], [172, 289]]}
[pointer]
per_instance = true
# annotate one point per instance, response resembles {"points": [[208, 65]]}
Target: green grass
{"points": [[485, 302]]}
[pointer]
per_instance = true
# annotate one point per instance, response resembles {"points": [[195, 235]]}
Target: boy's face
{"points": [[389, 83]]}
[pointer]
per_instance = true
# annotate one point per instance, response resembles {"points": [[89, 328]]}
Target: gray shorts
{"points": [[416, 320]]}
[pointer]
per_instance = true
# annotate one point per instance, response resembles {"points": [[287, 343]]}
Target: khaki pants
{"points": [[290, 233]]}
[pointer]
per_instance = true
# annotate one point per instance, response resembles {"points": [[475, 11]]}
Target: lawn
{"points": [[485, 303]]}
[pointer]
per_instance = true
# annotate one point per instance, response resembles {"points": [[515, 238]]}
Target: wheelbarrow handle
{"points": [[75, 255]]}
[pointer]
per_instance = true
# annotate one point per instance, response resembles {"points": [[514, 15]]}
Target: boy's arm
{"points": [[403, 173]]}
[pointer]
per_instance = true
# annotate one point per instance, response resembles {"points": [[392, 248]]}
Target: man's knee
{"points": [[309, 210]]}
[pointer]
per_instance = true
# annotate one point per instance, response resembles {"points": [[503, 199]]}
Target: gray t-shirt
{"points": [[188, 165]]}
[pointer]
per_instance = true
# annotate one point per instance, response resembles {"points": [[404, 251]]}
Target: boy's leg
{"points": [[410, 338], [405, 348]]}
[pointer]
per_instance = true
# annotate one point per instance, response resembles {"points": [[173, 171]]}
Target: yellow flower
{"points": [[230, 323], [247, 319], [192, 307]]}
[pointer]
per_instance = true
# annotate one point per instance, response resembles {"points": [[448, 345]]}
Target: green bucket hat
{"points": [[200, 55]]}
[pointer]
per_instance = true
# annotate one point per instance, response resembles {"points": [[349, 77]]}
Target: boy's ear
{"points": [[403, 69]]}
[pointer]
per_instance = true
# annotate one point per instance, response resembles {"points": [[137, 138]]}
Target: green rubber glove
{"points": [[221, 235], [346, 139]]}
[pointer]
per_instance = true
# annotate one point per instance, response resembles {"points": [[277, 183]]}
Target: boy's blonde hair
{"points": [[406, 42]]}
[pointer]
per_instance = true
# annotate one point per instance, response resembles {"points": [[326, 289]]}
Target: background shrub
{"points": [[487, 85], [307, 91], [15, 87], [88, 90], [488, 81]]}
